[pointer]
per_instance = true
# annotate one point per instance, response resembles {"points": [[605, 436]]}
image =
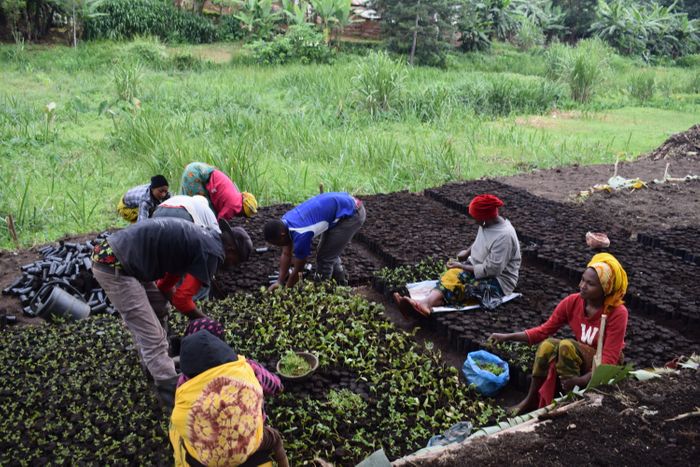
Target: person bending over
{"points": [[218, 417], [139, 202], [336, 217]]}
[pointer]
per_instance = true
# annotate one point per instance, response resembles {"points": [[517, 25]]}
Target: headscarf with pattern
{"points": [[613, 279]]}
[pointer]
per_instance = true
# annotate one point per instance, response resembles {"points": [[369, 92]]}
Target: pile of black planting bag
{"points": [[68, 266]]}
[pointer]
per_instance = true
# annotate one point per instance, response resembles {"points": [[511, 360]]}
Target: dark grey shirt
{"points": [[149, 249]]}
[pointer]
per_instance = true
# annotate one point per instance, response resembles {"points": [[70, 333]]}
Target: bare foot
{"points": [[404, 306], [420, 308]]}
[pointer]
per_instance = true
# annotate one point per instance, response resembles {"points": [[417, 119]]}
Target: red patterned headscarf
{"points": [[484, 207]]}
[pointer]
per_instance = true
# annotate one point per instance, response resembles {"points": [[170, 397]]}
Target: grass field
{"points": [[125, 111]]}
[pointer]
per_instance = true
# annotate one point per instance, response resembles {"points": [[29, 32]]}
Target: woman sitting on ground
{"points": [[601, 289], [223, 195], [491, 271]]}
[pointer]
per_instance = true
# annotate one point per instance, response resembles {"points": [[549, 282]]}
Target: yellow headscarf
{"points": [[250, 204], [613, 279]]}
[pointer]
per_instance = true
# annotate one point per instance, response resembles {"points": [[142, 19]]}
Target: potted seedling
{"points": [[297, 366]]}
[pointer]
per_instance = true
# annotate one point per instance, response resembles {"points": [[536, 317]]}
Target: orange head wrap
{"points": [[612, 277]]}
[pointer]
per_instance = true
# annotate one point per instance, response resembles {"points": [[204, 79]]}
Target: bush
{"points": [[694, 84], [508, 94], [124, 19], [230, 28], [529, 35], [642, 86], [302, 43], [379, 83], [185, 61], [582, 67], [429, 103], [689, 61], [146, 50]]}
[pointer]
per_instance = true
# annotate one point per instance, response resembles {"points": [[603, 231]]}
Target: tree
{"points": [[421, 29], [29, 19], [580, 15], [79, 11]]}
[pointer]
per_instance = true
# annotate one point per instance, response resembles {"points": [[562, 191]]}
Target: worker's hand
{"points": [[496, 337], [463, 254], [168, 294], [274, 287], [195, 314], [454, 264], [569, 383]]}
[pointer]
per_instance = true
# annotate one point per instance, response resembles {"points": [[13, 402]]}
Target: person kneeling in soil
{"points": [[223, 195], [218, 417], [492, 269], [139, 202], [601, 289], [335, 216], [127, 262]]}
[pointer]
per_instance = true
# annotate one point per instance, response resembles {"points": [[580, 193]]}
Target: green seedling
{"points": [[292, 364], [490, 367]]}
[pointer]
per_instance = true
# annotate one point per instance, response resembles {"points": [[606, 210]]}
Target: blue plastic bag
{"points": [[486, 383]]}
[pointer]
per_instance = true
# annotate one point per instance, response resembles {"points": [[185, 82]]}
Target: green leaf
{"points": [[608, 374]]}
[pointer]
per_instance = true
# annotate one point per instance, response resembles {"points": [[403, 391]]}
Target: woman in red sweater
{"points": [[602, 287], [224, 197]]}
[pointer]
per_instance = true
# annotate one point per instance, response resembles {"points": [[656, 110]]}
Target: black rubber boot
{"points": [[340, 277]]}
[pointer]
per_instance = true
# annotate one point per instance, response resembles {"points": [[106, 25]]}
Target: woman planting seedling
{"points": [[491, 271], [597, 309], [139, 202], [224, 197], [218, 417]]}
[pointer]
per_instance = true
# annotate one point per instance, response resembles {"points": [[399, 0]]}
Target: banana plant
{"points": [[295, 13], [334, 16], [257, 17]]}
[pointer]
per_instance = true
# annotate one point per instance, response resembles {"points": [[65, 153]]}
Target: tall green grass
{"points": [[364, 124]]}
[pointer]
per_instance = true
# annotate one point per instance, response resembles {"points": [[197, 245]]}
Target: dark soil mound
{"points": [[680, 145], [633, 426]]}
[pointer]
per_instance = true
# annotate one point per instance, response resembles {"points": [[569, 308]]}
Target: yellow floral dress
{"points": [[218, 416]]}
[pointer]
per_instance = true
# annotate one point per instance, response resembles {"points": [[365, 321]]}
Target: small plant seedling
{"points": [[344, 401], [490, 367], [292, 364]]}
